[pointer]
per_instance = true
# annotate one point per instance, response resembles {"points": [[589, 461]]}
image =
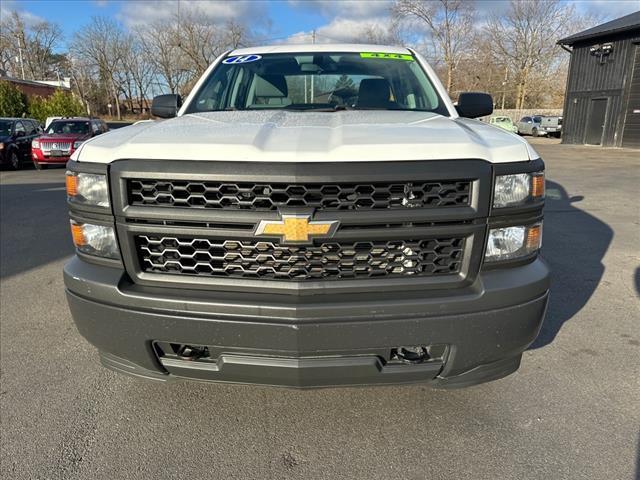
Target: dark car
{"points": [[16, 135], [62, 138]]}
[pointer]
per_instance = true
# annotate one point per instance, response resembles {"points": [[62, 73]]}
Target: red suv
{"points": [[62, 137]]}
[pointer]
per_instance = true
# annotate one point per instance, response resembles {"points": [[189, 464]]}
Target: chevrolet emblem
{"points": [[296, 229]]}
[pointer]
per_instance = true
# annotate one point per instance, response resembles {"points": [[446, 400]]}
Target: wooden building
{"points": [[602, 101]]}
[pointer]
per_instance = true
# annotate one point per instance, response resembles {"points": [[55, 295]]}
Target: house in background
{"points": [[602, 101], [32, 88]]}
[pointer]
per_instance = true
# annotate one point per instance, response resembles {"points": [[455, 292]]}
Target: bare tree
{"points": [[450, 26], [139, 67], [160, 45], [201, 42], [390, 34], [525, 38], [102, 44], [31, 45]]}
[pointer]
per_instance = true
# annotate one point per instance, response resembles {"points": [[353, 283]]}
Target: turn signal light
{"points": [[72, 184], [537, 185], [534, 237], [77, 234]]}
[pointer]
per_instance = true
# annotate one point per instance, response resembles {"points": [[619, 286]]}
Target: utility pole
{"points": [[21, 60], [504, 85]]}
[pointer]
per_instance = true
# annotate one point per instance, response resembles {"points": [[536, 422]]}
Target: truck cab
{"points": [[310, 216]]}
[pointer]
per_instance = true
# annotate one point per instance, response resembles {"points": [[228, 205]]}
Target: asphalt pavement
{"points": [[572, 411]]}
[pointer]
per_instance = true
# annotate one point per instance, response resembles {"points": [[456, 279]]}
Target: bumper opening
{"points": [[202, 362]]}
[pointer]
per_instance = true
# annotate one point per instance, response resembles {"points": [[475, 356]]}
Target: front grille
{"points": [[332, 260], [47, 146], [271, 196]]}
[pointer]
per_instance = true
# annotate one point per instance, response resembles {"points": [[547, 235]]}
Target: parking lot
{"points": [[572, 410]]}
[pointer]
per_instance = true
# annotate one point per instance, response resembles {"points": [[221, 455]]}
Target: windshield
{"points": [[318, 82], [5, 128], [73, 127]]}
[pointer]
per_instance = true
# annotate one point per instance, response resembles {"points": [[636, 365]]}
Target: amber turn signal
{"points": [[534, 237], [537, 185], [72, 184], [77, 234]]}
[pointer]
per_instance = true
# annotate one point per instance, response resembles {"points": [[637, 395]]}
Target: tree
{"points": [[202, 41], [524, 40], [378, 35], [13, 103], [32, 45], [450, 24], [344, 82], [60, 104], [101, 45], [160, 45]]}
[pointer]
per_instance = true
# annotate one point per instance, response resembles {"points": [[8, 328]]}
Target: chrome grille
{"points": [[321, 196], [48, 145], [331, 260]]}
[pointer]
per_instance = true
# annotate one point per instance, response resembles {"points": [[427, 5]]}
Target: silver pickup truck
{"points": [[280, 229]]}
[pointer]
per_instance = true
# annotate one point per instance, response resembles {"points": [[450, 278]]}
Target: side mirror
{"points": [[166, 106], [474, 105]]}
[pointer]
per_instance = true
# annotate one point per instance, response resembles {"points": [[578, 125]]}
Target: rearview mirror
{"points": [[166, 106], [474, 105]]}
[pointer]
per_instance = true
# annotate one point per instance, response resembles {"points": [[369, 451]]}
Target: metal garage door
{"points": [[631, 135]]}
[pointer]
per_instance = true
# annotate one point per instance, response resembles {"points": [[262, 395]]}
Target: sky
{"points": [[278, 21]]}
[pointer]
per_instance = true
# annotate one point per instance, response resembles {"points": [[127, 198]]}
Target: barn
{"points": [[602, 101]]}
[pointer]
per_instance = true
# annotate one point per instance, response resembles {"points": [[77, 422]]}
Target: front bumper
{"points": [[311, 341], [41, 158]]}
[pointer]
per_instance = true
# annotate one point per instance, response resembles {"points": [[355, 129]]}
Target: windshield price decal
{"points": [[388, 56], [241, 59]]}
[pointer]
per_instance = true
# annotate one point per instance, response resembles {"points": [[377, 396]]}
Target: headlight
{"points": [[88, 188], [518, 189], [1, 146], [510, 243], [35, 143], [77, 144], [98, 240]]}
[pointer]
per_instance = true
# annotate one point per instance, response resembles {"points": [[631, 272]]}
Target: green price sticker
{"points": [[388, 56]]}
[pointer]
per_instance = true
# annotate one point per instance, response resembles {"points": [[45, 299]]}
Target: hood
{"points": [[287, 136], [62, 137]]}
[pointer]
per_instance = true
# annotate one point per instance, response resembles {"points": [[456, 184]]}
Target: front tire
{"points": [[14, 161], [534, 132]]}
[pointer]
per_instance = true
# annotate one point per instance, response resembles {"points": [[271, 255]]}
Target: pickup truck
{"points": [[310, 216]]}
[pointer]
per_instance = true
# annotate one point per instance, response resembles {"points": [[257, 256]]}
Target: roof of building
{"points": [[619, 25], [34, 83], [319, 47]]}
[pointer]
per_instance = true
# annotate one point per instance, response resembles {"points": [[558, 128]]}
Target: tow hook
{"points": [[187, 352], [415, 354]]}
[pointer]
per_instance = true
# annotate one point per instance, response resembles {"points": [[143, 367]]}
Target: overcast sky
{"points": [[273, 21]]}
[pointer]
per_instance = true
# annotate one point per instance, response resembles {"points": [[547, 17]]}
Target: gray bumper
{"points": [[322, 340]]}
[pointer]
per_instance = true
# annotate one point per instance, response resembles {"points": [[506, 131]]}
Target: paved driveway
{"points": [[572, 411]]}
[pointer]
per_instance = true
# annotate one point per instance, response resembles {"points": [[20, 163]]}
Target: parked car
{"points": [[16, 135], [63, 137], [264, 235], [505, 123], [48, 121], [530, 126], [551, 125]]}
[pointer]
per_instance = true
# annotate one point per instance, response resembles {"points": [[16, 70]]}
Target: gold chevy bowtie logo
{"points": [[296, 228]]}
